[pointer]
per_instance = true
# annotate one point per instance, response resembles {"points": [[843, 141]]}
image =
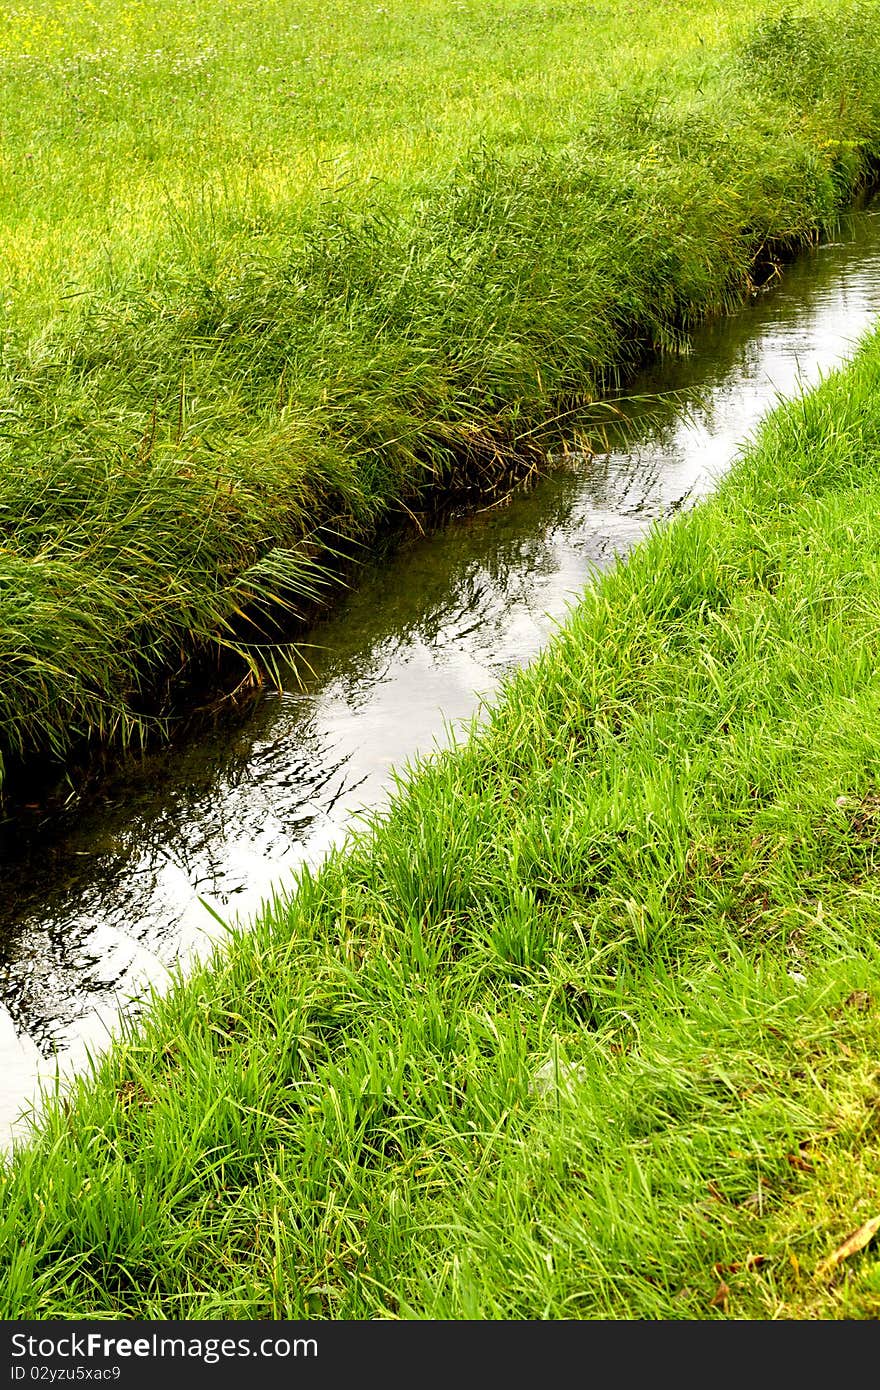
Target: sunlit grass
{"points": [[114, 114]]}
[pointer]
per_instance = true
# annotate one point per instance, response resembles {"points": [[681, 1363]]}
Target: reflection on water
{"points": [[97, 903]]}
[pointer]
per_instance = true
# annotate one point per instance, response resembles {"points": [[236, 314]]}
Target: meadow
{"points": [[587, 1025], [274, 275]]}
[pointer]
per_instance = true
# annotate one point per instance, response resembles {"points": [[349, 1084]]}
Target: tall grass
{"points": [[180, 434], [587, 1025]]}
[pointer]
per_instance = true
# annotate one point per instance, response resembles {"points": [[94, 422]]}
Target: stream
{"points": [[100, 901]]}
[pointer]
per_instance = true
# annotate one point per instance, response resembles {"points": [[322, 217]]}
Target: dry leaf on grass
{"points": [[851, 1246], [798, 1161], [722, 1294]]}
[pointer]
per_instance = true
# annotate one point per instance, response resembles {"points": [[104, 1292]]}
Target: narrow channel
{"points": [[99, 902]]}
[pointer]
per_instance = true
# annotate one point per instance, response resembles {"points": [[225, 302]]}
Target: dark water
{"points": [[96, 904]]}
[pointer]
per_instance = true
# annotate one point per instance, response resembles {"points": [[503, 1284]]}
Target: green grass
{"points": [[252, 108], [587, 1024], [266, 284]]}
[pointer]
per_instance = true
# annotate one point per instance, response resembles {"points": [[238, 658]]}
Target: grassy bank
{"points": [[267, 282], [588, 1024]]}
